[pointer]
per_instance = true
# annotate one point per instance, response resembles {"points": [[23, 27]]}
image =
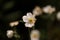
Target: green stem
{"points": [[20, 21], [17, 38]]}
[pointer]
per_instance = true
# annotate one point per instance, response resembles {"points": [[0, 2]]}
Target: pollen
{"points": [[31, 20]]}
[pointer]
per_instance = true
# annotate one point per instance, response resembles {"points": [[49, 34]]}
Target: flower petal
{"points": [[34, 39], [10, 33], [29, 25], [25, 18], [15, 23], [48, 9], [29, 14], [58, 16], [45, 9], [37, 11], [34, 31]]}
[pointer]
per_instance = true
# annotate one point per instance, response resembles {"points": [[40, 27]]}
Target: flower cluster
{"points": [[30, 19]]}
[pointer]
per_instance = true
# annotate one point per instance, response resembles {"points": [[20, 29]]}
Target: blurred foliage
{"points": [[8, 5]]}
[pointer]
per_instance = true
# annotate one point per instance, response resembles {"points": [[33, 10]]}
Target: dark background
{"points": [[12, 10]]}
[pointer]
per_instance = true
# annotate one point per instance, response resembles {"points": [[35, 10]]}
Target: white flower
{"points": [[37, 11], [15, 23], [34, 35], [49, 9], [10, 33], [29, 20], [58, 15]]}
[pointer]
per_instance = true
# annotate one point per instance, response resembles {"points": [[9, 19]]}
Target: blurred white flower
{"points": [[15, 23], [35, 35], [29, 20], [37, 11], [10, 33], [49, 9], [58, 15]]}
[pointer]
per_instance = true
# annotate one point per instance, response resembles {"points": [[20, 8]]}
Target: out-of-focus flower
{"points": [[34, 35], [49, 9], [10, 33], [58, 15], [15, 23], [29, 20], [37, 11]]}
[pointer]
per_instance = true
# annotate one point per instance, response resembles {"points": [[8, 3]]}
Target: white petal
{"points": [[34, 32], [29, 14], [58, 15], [37, 11], [45, 10], [15, 23], [49, 9], [34, 39], [54, 9], [9, 33], [25, 18], [29, 25], [11, 24]]}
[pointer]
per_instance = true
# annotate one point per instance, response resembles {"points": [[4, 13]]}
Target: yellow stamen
{"points": [[31, 20]]}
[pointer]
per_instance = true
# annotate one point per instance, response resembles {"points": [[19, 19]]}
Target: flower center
{"points": [[31, 20], [35, 36]]}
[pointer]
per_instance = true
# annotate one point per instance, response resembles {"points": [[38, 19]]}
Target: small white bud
{"points": [[10, 33]]}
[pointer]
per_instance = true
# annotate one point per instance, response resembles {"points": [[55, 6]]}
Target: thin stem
{"points": [[20, 21], [16, 34]]}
